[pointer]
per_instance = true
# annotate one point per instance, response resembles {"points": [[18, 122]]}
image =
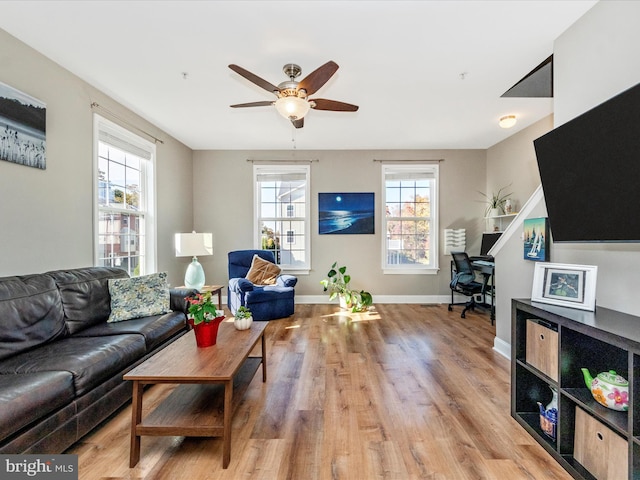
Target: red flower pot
{"points": [[207, 332]]}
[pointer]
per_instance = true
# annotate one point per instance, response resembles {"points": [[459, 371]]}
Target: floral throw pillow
{"points": [[138, 297], [262, 272]]}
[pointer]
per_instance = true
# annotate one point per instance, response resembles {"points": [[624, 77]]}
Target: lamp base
{"points": [[194, 277]]}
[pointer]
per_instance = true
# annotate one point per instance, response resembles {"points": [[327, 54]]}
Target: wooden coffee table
{"points": [[212, 382]]}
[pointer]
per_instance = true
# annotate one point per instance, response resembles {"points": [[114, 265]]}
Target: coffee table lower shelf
{"points": [[195, 410]]}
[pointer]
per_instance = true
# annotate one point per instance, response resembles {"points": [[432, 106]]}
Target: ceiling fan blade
{"points": [[252, 104], [322, 104], [299, 123], [316, 79], [269, 87]]}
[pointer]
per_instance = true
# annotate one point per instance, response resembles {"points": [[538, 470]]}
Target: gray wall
{"points": [[223, 180], [593, 60], [603, 47], [513, 161], [46, 216]]}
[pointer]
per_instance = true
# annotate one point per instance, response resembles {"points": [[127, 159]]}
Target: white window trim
{"points": [[434, 251], [150, 257], [306, 169]]}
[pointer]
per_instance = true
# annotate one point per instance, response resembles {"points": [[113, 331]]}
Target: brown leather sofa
{"points": [[61, 363]]}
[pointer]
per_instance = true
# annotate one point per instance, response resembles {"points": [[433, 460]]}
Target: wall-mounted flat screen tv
{"points": [[590, 172]]}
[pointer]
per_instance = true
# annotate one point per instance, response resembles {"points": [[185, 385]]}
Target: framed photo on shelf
{"points": [[567, 285]]}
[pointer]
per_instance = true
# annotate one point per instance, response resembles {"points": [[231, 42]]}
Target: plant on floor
{"points": [[201, 308], [496, 200], [337, 284]]}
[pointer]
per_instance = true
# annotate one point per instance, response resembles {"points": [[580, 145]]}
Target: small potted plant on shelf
{"points": [[205, 318], [243, 318], [496, 202], [337, 284]]}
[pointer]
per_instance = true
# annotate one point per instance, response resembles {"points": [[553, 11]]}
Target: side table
{"points": [[213, 289]]}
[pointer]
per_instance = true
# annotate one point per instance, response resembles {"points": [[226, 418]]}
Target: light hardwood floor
{"points": [[407, 392]]}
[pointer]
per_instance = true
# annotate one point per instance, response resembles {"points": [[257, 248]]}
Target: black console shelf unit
{"points": [[600, 341]]}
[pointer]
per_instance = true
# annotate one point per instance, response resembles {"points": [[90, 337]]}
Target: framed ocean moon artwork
{"points": [[346, 213], [536, 236]]}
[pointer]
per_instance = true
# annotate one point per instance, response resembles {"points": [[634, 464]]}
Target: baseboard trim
{"points": [[502, 347], [431, 299]]}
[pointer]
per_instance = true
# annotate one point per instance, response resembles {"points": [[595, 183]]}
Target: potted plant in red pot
{"points": [[205, 319]]}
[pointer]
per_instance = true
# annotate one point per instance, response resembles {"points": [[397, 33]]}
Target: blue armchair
{"points": [[266, 302]]}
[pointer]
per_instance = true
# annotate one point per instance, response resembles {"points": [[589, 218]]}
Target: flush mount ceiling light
{"points": [[507, 121]]}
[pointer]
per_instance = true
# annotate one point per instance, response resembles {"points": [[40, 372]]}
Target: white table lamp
{"points": [[192, 245]]}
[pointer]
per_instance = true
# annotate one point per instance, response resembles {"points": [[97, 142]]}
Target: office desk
{"points": [[489, 295], [488, 268]]}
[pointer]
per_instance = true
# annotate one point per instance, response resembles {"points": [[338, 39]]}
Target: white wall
{"points": [[46, 216], [223, 182]]}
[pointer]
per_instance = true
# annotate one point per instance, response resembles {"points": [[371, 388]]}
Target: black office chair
{"points": [[464, 282]]}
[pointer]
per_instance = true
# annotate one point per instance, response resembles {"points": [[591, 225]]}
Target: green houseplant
{"points": [[205, 319], [337, 284], [202, 309], [496, 201], [243, 318]]}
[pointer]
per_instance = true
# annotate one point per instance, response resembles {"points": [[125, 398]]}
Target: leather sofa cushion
{"points": [[155, 329], [25, 398], [90, 362], [30, 313], [85, 294]]}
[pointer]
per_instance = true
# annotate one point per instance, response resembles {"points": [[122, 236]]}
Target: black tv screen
{"points": [[590, 172]]}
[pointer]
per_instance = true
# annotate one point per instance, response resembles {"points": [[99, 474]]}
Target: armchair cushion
{"points": [[240, 285], [285, 280], [262, 272]]}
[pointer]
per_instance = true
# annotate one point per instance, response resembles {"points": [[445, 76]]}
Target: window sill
{"points": [[410, 271]]}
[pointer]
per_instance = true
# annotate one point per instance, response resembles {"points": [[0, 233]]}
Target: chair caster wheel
{"points": [[450, 308], [463, 315]]}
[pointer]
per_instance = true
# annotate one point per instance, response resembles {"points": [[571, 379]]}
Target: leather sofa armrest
{"points": [[177, 298], [240, 285], [287, 280]]}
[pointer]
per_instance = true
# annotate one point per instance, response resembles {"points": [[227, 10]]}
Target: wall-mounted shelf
{"points": [[600, 341], [498, 223]]}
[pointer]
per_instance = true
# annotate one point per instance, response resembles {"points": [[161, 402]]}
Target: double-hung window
{"points": [[124, 199], [410, 220], [282, 213]]}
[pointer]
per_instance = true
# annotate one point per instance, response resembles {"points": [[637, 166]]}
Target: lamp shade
{"points": [[193, 244], [292, 108]]}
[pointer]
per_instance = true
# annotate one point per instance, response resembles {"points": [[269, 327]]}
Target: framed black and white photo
{"points": [[566, 285], [22, 128]]}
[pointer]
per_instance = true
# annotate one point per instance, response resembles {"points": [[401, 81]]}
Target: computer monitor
{"points": [[488, 240]]}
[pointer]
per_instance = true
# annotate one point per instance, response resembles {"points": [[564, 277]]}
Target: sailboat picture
{"points": [[536, 235]]}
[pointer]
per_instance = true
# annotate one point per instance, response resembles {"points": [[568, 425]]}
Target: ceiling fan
{"points": [[293, 102]]}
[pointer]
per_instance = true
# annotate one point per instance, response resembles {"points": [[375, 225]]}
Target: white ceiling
{"points": [[400, 61]]}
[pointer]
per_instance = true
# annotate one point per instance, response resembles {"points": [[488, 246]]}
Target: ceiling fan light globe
{"points": [[292, 108]]}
